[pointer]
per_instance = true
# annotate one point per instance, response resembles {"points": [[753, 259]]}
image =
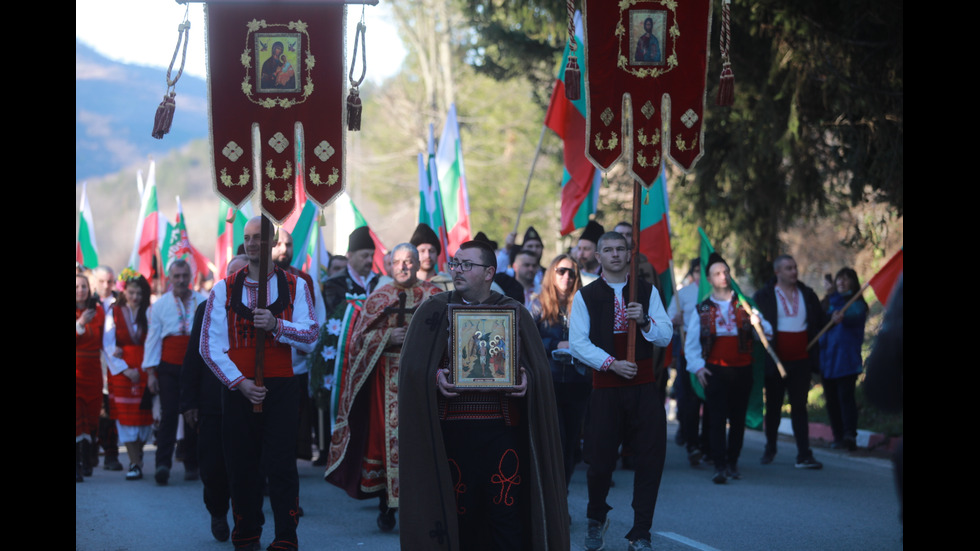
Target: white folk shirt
{"points": [[692, 343], [169, 316], [659, 333], [788, 321]]}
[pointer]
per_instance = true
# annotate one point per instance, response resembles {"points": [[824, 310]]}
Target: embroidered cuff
{"points": [[234, 384], [605, 365]]}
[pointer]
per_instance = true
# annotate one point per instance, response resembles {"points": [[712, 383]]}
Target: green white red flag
{"points": [[146, 241], [177, 246], [654, 233], [452, 182], [580, 180], [348, 218], [231, 234], [431, 212], [86, 251], [309, 254]]}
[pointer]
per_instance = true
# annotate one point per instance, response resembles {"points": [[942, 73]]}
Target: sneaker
{"points": [[809, 463], [162, 476], [641, 545], [593, 538], [719, 477], [135, 473], [734, 473]]}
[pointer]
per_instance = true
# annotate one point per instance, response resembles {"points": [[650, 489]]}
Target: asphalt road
{"points": [[849, 504]]}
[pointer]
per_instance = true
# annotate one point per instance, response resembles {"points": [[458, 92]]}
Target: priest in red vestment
{"points": [[363, 457]]}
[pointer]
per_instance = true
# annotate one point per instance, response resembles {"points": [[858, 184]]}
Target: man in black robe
{"points": [[450, 439]]}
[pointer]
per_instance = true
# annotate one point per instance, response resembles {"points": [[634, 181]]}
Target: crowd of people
{"points": [[378, 373]]}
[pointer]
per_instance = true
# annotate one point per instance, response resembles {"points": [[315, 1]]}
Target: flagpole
{"points": [[261, 302], [537, 151], [762, 337], [847, 305], [631, 330]]}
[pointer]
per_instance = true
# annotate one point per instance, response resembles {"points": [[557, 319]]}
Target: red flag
{"points": [[884, 281]]}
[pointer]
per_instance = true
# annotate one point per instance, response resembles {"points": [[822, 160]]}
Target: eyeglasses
{"points": [[465, 265], [562, 272]]}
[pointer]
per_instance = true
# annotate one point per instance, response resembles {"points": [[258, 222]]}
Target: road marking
{"points": [[686, 541]]}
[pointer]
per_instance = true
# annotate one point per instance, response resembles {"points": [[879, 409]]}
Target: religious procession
{"points": [[499, 354]]}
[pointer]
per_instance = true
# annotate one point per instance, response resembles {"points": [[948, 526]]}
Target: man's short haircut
{"points": [[179, 263], [624, 223], [779, 259], [338, 257], [525, 252], [406, 247], [487, 255], [610, 236], [103, 269]]}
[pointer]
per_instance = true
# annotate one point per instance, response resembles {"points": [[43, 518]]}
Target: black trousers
{"points": [[633, 414], [572, 400], [487, 462], [841, 406], [211, 459], [797, 385], [727, 394], [257, 443], [689, 416], [169, 377]]}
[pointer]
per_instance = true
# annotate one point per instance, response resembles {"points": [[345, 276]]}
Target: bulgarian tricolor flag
{"points": [[309, 254], [177, 245], [86, 252], [884, 281], [431, 212], [231, 234], [580, 180], [347, 219], [146, 241], [655, 233], [452, 182]]}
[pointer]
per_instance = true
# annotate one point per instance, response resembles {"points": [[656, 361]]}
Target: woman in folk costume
{"points": [[89, 319], [125, 331], [573, 383]]}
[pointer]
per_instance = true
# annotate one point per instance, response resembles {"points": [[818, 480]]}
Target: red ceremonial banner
{"points": [[655, 52], [276, 89]]}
